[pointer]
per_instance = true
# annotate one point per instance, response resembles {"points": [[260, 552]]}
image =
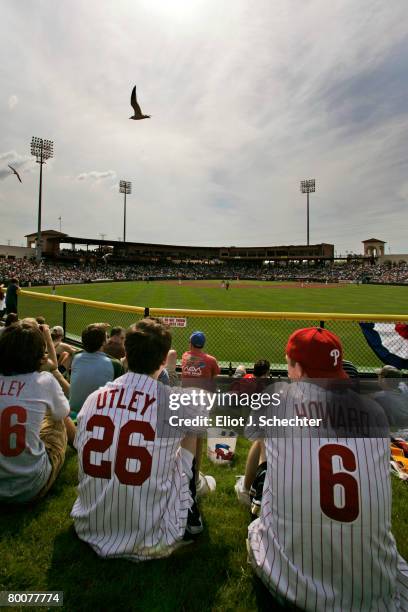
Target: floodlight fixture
{"points": [[125, 187], [308, 186], [41, 149]]}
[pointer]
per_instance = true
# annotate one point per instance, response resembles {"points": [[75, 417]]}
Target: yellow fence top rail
{"points": [[225, 314], [88, 303]]}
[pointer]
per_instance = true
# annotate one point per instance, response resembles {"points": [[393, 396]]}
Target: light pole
{"points": [[308, 186], [125, 187], [42, 150]]}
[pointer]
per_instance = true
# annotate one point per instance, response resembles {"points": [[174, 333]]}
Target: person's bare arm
{"points": [[64, 384], [52, 361], [71, 430], [171, 364], [68, 348]]}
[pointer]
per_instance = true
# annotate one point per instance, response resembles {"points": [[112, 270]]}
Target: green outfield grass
{"points": [[38, 546], [39, 550], [236, 340]]}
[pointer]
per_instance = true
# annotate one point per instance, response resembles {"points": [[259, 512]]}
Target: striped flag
{"points": [[389, 341]]}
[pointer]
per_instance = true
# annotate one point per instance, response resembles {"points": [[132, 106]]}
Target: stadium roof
{"points": [[46, 233], [78, 240]]}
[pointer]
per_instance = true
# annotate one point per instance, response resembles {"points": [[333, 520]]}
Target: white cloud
{"points": [[96, 176], [244, 103], [12, 102]]}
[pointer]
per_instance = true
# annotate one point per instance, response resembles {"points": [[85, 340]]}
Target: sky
{"points": [[246, 97]]}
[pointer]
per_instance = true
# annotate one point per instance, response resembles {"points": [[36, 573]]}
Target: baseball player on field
{"points": [[323, 538], [136, 495]]}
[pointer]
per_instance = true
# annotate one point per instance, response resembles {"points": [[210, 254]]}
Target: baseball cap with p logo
{"points": [[318, 351]]}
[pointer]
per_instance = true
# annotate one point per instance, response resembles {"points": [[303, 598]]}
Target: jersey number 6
{"points": [[329, 479], [7, 430], [124, 452]]}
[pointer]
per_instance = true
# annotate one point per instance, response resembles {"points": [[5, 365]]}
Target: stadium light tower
{"points": [[308, 186], [42, 150], [125, 187]]}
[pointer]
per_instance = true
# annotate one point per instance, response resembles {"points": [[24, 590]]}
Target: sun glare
{"points": [[178, 9]]}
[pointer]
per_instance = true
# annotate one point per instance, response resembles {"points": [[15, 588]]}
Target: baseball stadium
{"points": [[203, 349], [247, 306]]}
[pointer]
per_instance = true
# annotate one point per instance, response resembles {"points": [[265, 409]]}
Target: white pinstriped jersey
{"points": [[323, 540], [133, 497], [25, 399]]}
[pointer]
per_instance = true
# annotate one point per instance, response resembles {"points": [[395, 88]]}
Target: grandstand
{"points": [[90, 260], [54, 247]]}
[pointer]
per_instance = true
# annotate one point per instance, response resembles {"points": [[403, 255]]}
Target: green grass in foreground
{"points": [[236, 340], [40, 551]]}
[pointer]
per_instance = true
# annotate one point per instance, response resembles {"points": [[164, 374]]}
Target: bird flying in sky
{"points": [[137, 110], [15, 172]]}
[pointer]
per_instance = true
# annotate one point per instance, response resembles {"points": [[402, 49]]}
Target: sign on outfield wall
{"points": [[174, 321]]}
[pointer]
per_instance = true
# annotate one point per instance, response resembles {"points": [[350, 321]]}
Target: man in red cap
{"points": [[323, 539], [314, 352]]}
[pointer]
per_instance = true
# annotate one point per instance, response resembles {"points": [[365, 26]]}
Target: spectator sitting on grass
{"points": [[149, 495], [257, 381], [299, 509], [65, 352], [34, 417], [240, 371], [115, 346], [92, 368], [262, 369]]}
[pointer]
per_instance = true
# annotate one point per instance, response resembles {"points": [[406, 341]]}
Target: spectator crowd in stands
{"points": [[46, 273]]}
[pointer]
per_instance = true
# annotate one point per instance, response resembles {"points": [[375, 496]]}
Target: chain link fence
{"points": [[74, 314], [233, 337]]}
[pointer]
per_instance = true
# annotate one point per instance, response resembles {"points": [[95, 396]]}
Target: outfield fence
{"points": [[234, 337]]}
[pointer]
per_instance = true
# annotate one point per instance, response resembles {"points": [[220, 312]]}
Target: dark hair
{"points": [[40, 320], [11, 318], [261, 367], [147, 344], [93, 337], [116, 331], [14, 281], [22, 348]]}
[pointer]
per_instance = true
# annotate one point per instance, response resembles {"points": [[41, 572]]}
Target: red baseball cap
{"points": [[318, 351]]}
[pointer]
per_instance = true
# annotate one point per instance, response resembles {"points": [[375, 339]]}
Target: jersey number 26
{"points": [[125, 450]]}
